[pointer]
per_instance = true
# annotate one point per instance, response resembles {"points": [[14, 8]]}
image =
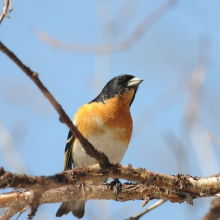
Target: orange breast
{"points": [[94, 118]]}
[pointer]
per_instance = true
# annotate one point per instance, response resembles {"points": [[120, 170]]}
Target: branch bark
{"points": [[129, 191], [194, 186], [4, 13], [11, 211], [90, 150], [65, 187]]}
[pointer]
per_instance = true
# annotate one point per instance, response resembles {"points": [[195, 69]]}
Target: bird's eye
{"points": [[120, 79]]}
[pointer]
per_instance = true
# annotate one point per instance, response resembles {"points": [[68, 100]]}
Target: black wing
{"points": [[68, 160]]}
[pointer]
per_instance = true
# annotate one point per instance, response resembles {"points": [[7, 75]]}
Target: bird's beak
{"points": [[134, 82]]}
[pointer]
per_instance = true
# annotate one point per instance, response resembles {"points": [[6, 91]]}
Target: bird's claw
{"points": [[117, 184]]}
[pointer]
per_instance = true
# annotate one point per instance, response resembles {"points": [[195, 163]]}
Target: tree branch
{"points": [[111, 48], [197, 187], [11, 211], [99, 192], [191, 188], [139, 215], [5, 9], [89, 192], [214, 213], [90, 150]]}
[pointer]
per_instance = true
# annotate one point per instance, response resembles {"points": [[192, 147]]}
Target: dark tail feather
{"points": [[76, 207], [64, 209]]}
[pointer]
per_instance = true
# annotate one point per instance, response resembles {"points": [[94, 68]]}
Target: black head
{"points": [[118, 86]]}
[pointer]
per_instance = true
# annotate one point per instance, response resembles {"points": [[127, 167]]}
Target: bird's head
{"points": [[120, 86]]}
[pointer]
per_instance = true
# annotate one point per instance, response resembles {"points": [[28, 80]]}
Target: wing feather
{"points": [[68, 160]]}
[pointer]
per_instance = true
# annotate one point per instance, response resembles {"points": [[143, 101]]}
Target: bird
{"points": [[106, 123]]}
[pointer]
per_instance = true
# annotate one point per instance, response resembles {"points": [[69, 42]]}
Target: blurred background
{"points": [[77, 47]]}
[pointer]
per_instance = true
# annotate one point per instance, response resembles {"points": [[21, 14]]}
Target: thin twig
{"points": [[10, 6], [22, 211], [197, 82], [213, 138], [195, 127], [111, 48], [90, 150], [139, 215], [5, 9]]}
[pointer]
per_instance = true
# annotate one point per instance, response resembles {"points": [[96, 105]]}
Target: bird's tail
{"points": [[76, 207]]}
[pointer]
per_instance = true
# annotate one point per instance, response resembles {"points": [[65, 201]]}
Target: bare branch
{"points": [[90, 150], [92, 191], [22, 211], [11, 211], [5, 9], [110, 48], [198, 187], [214, 213], [10, 6], [213, 138], [139, 215], [195, 126], [197, 81]]}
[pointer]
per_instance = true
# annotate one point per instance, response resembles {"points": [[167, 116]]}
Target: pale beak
{"points": [[134, 82]]}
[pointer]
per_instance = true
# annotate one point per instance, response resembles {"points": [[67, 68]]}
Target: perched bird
{"points": [[107, 124]]}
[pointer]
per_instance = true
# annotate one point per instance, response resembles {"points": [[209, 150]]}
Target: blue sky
{"points": [[184, 44]]}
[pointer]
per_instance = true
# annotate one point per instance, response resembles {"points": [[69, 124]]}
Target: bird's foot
{"points": [[83, 185], [117, 184]]}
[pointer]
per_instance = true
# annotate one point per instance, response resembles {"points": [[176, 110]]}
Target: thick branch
{"points": [[181, 183], [90, 150], [88, 192]]}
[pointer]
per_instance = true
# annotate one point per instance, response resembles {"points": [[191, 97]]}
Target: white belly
{"points": [[107, 142]]}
